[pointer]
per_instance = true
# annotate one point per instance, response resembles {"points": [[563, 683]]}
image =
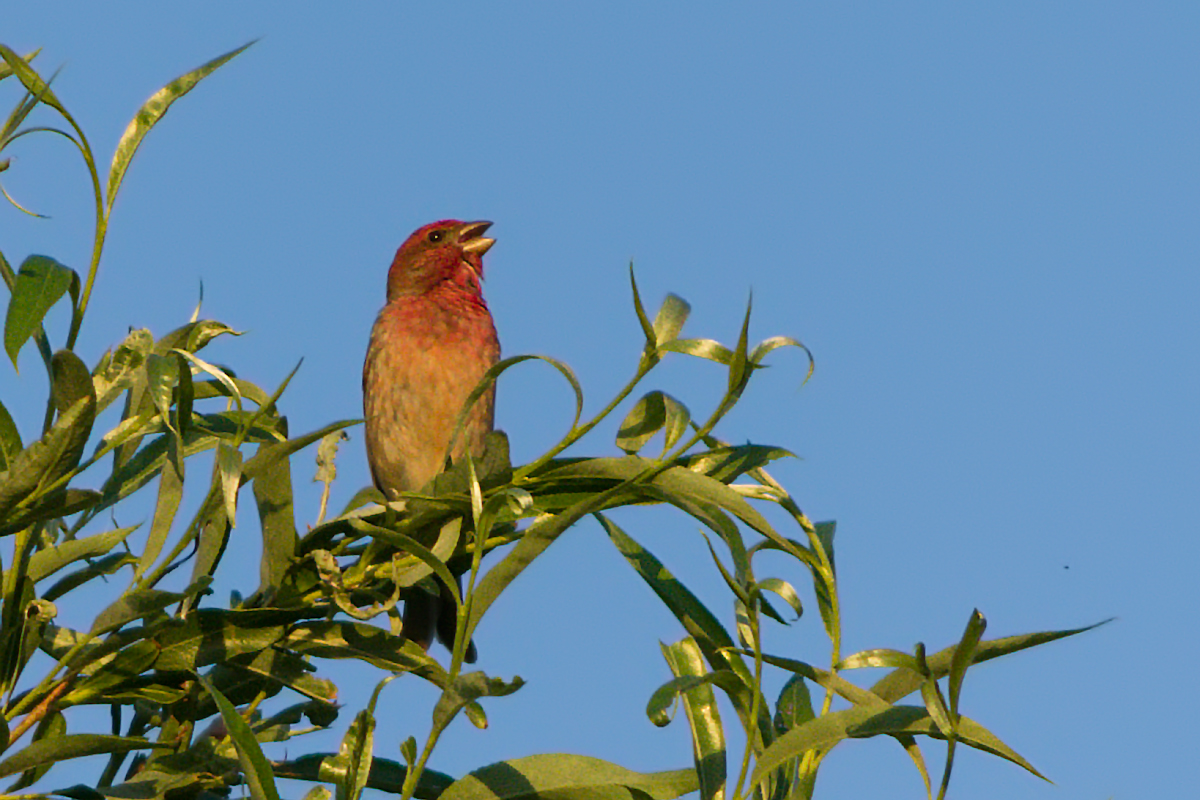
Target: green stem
{"points": [[578, 432]]}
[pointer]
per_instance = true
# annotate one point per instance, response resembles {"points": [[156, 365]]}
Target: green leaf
{"points": [[794, 706], [128, 664], [782, 588], [714, 641], [704, 718], [964, 656], [824, 732], [643, 320], [150, 113], [290, 670], [726, 464], [117, 370], [211, 635], [140, 604], [50, 751], [70, 382], [10, 439], [41, 282], [49, 458], [255, 767], [32, 81], [170, 495], [739, 369], [652, 412], [352, 766], [53, 726], [434, 560], [670, 319], [229, 465], [266, 457], [107, 565], [903, 681], [466, 689], [385, 775], [879, 657], [7, 71], [828, 680], [55, 505], [363, 642], [277, 519], [559, 775], [50, 560], [700, 348]]}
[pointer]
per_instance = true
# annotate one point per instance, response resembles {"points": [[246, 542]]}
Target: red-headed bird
{"points": [[431, 345]]}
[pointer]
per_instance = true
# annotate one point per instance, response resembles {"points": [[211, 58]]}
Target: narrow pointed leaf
{"points": [[559, 775], [78, 745], [902, 682], [964, 656], [45, 563], [255, 767], [10, 439], [150, 113], [704, 718]]}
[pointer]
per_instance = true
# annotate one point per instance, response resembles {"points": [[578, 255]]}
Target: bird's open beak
{"points": [[471, 238]]}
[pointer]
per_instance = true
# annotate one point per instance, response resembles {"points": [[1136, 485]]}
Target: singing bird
{"points": [[430, 346]]}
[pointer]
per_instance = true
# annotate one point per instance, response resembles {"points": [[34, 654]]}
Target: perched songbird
{"points": [[431, 345]]}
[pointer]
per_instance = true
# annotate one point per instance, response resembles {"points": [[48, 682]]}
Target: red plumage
{"points": [[430, 346]]}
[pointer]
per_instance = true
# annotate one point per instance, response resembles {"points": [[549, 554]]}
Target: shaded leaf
{"points": [[276, 515], [385, 775], [467, 689], [41, 282], [70, 380], [138, 604], [363, 642], [53, 726], [10, 439], [45, 563], [559, 775], [78, 745], [49, 458], [255, 767]]}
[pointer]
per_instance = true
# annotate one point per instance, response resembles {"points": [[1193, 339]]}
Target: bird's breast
{"points": [[422, 364]]}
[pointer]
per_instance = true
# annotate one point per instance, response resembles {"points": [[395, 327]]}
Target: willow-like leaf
{"points": [[41, 282], [704, 718], [255, 767], [149, 114], [560, 775], [903, 681]]}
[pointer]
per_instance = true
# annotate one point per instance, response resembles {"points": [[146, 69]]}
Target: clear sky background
{"points": [[981, 218]]}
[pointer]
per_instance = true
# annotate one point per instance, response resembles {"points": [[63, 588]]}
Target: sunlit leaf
{"points": [[150, 113]]}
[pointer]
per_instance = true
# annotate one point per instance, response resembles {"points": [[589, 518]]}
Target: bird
{"points": [[430, 346]]}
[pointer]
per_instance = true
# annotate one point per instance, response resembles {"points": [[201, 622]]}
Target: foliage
{"points": [[163, 660]]}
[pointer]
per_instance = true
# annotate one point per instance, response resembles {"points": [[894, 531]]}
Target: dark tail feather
{"points": [[425, 614]]}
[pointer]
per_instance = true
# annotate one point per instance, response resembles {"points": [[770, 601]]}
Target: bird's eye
{"points": [[436, 236]]}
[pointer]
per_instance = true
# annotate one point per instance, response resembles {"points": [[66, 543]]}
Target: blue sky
{"points": [[980, 219]]}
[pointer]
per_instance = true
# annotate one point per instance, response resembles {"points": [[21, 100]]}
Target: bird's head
{"points": [[448, 250]]}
